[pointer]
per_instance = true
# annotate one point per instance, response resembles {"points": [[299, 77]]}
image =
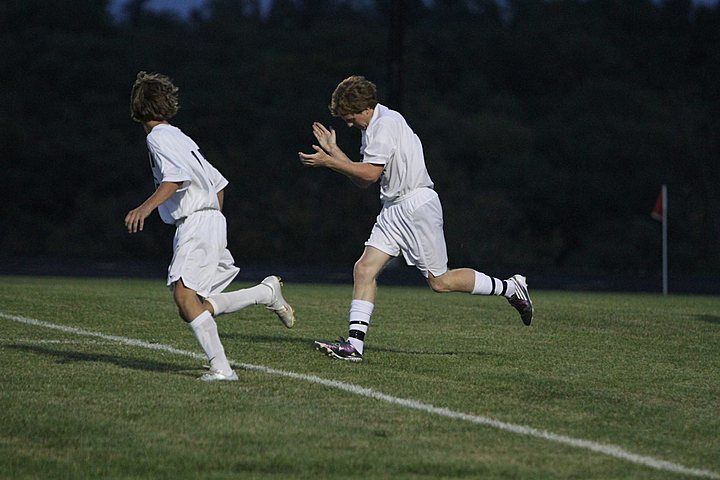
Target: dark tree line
{"points": [[548, 126]]}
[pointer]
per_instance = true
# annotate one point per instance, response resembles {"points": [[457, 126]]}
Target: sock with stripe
{"points": [[486, 285], [206, 333], [359, 321]]}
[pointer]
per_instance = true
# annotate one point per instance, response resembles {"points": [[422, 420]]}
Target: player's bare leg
{"points": [[189, 304], [365, 274], [471, 281], [457, 280]]}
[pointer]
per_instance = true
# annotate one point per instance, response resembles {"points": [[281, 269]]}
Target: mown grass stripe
{"points": [[602, 448]]}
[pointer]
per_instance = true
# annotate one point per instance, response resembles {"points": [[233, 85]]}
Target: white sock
{"points": [[486, 285], [206, 333], [359, 321], [233, 301]]}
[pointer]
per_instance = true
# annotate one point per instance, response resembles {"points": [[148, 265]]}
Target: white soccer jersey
{"points": [[388, 140], [175, 157]]}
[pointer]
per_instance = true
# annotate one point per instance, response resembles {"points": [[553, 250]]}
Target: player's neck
{"points": [[149, 125]]}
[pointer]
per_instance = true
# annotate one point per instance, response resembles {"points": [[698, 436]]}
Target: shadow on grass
{"points": [[714, 319], [266, 338], [305, 341], [429, 352], [63, 356]]}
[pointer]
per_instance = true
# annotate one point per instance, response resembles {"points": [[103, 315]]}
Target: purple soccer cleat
{"points": [[521, 299], [341, 349]]}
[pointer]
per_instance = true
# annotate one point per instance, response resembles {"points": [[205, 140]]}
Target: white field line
{"points": [[602, 448], [33, 341]]}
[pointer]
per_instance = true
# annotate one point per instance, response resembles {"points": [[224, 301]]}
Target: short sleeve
{"points": [[380, 144], [170, 168]]}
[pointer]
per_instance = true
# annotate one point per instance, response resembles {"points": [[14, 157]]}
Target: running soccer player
{"points": [[189, 195], [411, 219]]}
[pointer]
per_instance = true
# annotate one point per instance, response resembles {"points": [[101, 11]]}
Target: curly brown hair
{"points": [[153, 97], [353, 95]]}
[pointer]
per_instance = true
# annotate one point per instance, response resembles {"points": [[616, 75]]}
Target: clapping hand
{"points": [[326, 138], [323, 152]]}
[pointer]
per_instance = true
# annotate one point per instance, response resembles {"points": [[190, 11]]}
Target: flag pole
{"points": [[664, 240]]}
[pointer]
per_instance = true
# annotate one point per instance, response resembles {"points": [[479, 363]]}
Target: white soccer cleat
{"points": [[277, 303], [216, 376]]}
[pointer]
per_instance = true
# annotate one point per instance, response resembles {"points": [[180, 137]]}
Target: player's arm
{"points": [[135, 219], [221, 198], [361, 174], [329, 155]]}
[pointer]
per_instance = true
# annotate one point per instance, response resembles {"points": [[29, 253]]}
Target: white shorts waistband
{"points": [[180, 221]]}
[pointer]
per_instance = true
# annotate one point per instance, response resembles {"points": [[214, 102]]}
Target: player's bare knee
{"points": [[438, 287], [180, 297], [185, 300], [182, 307], [208, 306], [437, 284], [362, 273]]}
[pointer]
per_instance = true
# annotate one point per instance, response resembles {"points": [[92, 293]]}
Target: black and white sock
{"points": [[486, 285], [359, 321]]}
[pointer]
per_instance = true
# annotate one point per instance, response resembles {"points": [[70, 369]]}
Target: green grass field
{"points": [[635, 373]]}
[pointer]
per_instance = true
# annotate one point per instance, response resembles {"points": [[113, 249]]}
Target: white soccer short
{"points": [[413, 227], [200, 254]]}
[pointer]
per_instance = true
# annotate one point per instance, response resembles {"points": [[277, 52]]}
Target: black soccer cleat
{"points": [[521, 299]]}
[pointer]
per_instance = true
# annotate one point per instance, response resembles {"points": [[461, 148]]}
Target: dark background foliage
{"points": [[548, 127]]}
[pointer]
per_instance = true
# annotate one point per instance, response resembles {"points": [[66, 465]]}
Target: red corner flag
{"points": [[657, 212]]}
